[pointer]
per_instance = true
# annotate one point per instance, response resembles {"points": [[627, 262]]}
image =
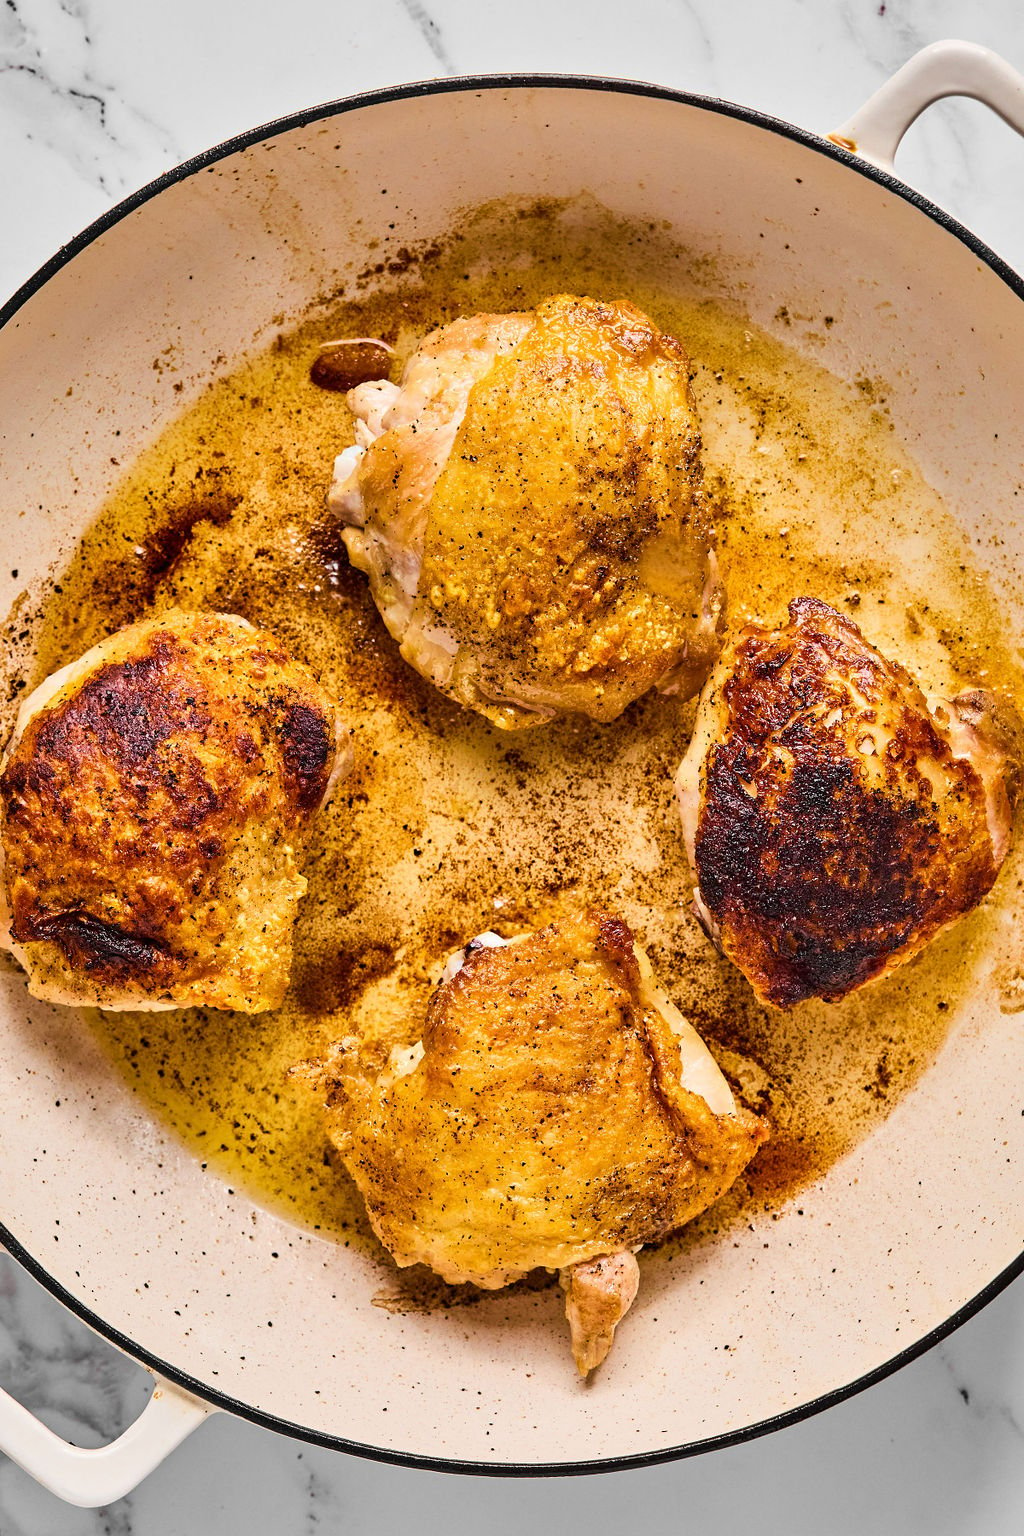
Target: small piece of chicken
{"points": [[836, 819], [527, 506], [558, 1112], [598, 1294], [154, 796]]}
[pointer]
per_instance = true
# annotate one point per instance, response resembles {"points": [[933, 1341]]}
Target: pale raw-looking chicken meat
{"points": [[155, 799], [558, 1112], [836, 819], [527, 505]]}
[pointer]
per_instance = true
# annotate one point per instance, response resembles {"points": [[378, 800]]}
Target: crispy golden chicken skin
{"points": [[836, 819], [527, 506], [559, 1112], [154, 798]]}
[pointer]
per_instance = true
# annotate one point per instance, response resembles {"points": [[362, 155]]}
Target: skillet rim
{"points": [[203, 161]]}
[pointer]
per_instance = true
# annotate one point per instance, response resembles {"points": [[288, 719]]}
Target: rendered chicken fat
{"points": [[154, 798], [557, 1113], [527, 505], [836, 820]]}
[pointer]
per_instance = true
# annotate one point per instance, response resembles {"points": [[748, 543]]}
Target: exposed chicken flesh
{"points": [[556, 1113], [155, 796], [527, 505], [598, 1295], [837, 820]]}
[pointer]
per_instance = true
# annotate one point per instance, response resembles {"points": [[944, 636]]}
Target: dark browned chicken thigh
{"points": [[836, 819], [155, 800]]}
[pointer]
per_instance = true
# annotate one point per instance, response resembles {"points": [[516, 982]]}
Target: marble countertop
{"points": [[96, 98]]}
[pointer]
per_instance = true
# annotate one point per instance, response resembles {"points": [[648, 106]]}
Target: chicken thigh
{"points": [[154, 798], [558, 1112], [527, 505], [837, 820]]}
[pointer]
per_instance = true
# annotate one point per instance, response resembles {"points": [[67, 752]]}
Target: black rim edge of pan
{"points": [[210, 157]]}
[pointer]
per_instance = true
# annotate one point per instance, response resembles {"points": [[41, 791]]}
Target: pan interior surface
{"points": [[790, 279]]}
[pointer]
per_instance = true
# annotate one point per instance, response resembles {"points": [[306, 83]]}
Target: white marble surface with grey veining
{"points": [[99, 96]]}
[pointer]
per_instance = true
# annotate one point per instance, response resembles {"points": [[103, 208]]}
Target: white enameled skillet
{"points": [[231, 1307]]}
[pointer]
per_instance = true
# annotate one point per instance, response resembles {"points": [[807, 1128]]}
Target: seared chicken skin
{"points": [[836, 819], [558, 1112], [154, 798], [527, 507]]}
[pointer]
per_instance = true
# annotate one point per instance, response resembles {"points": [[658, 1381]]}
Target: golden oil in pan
{"points": [[447, 826]]}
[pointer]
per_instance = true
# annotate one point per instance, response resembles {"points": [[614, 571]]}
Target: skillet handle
{"points": [[942, 69], [91, 1478]]}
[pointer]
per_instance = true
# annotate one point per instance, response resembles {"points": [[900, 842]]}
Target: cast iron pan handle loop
{"points": [[91, 1478], [942, 69]]}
